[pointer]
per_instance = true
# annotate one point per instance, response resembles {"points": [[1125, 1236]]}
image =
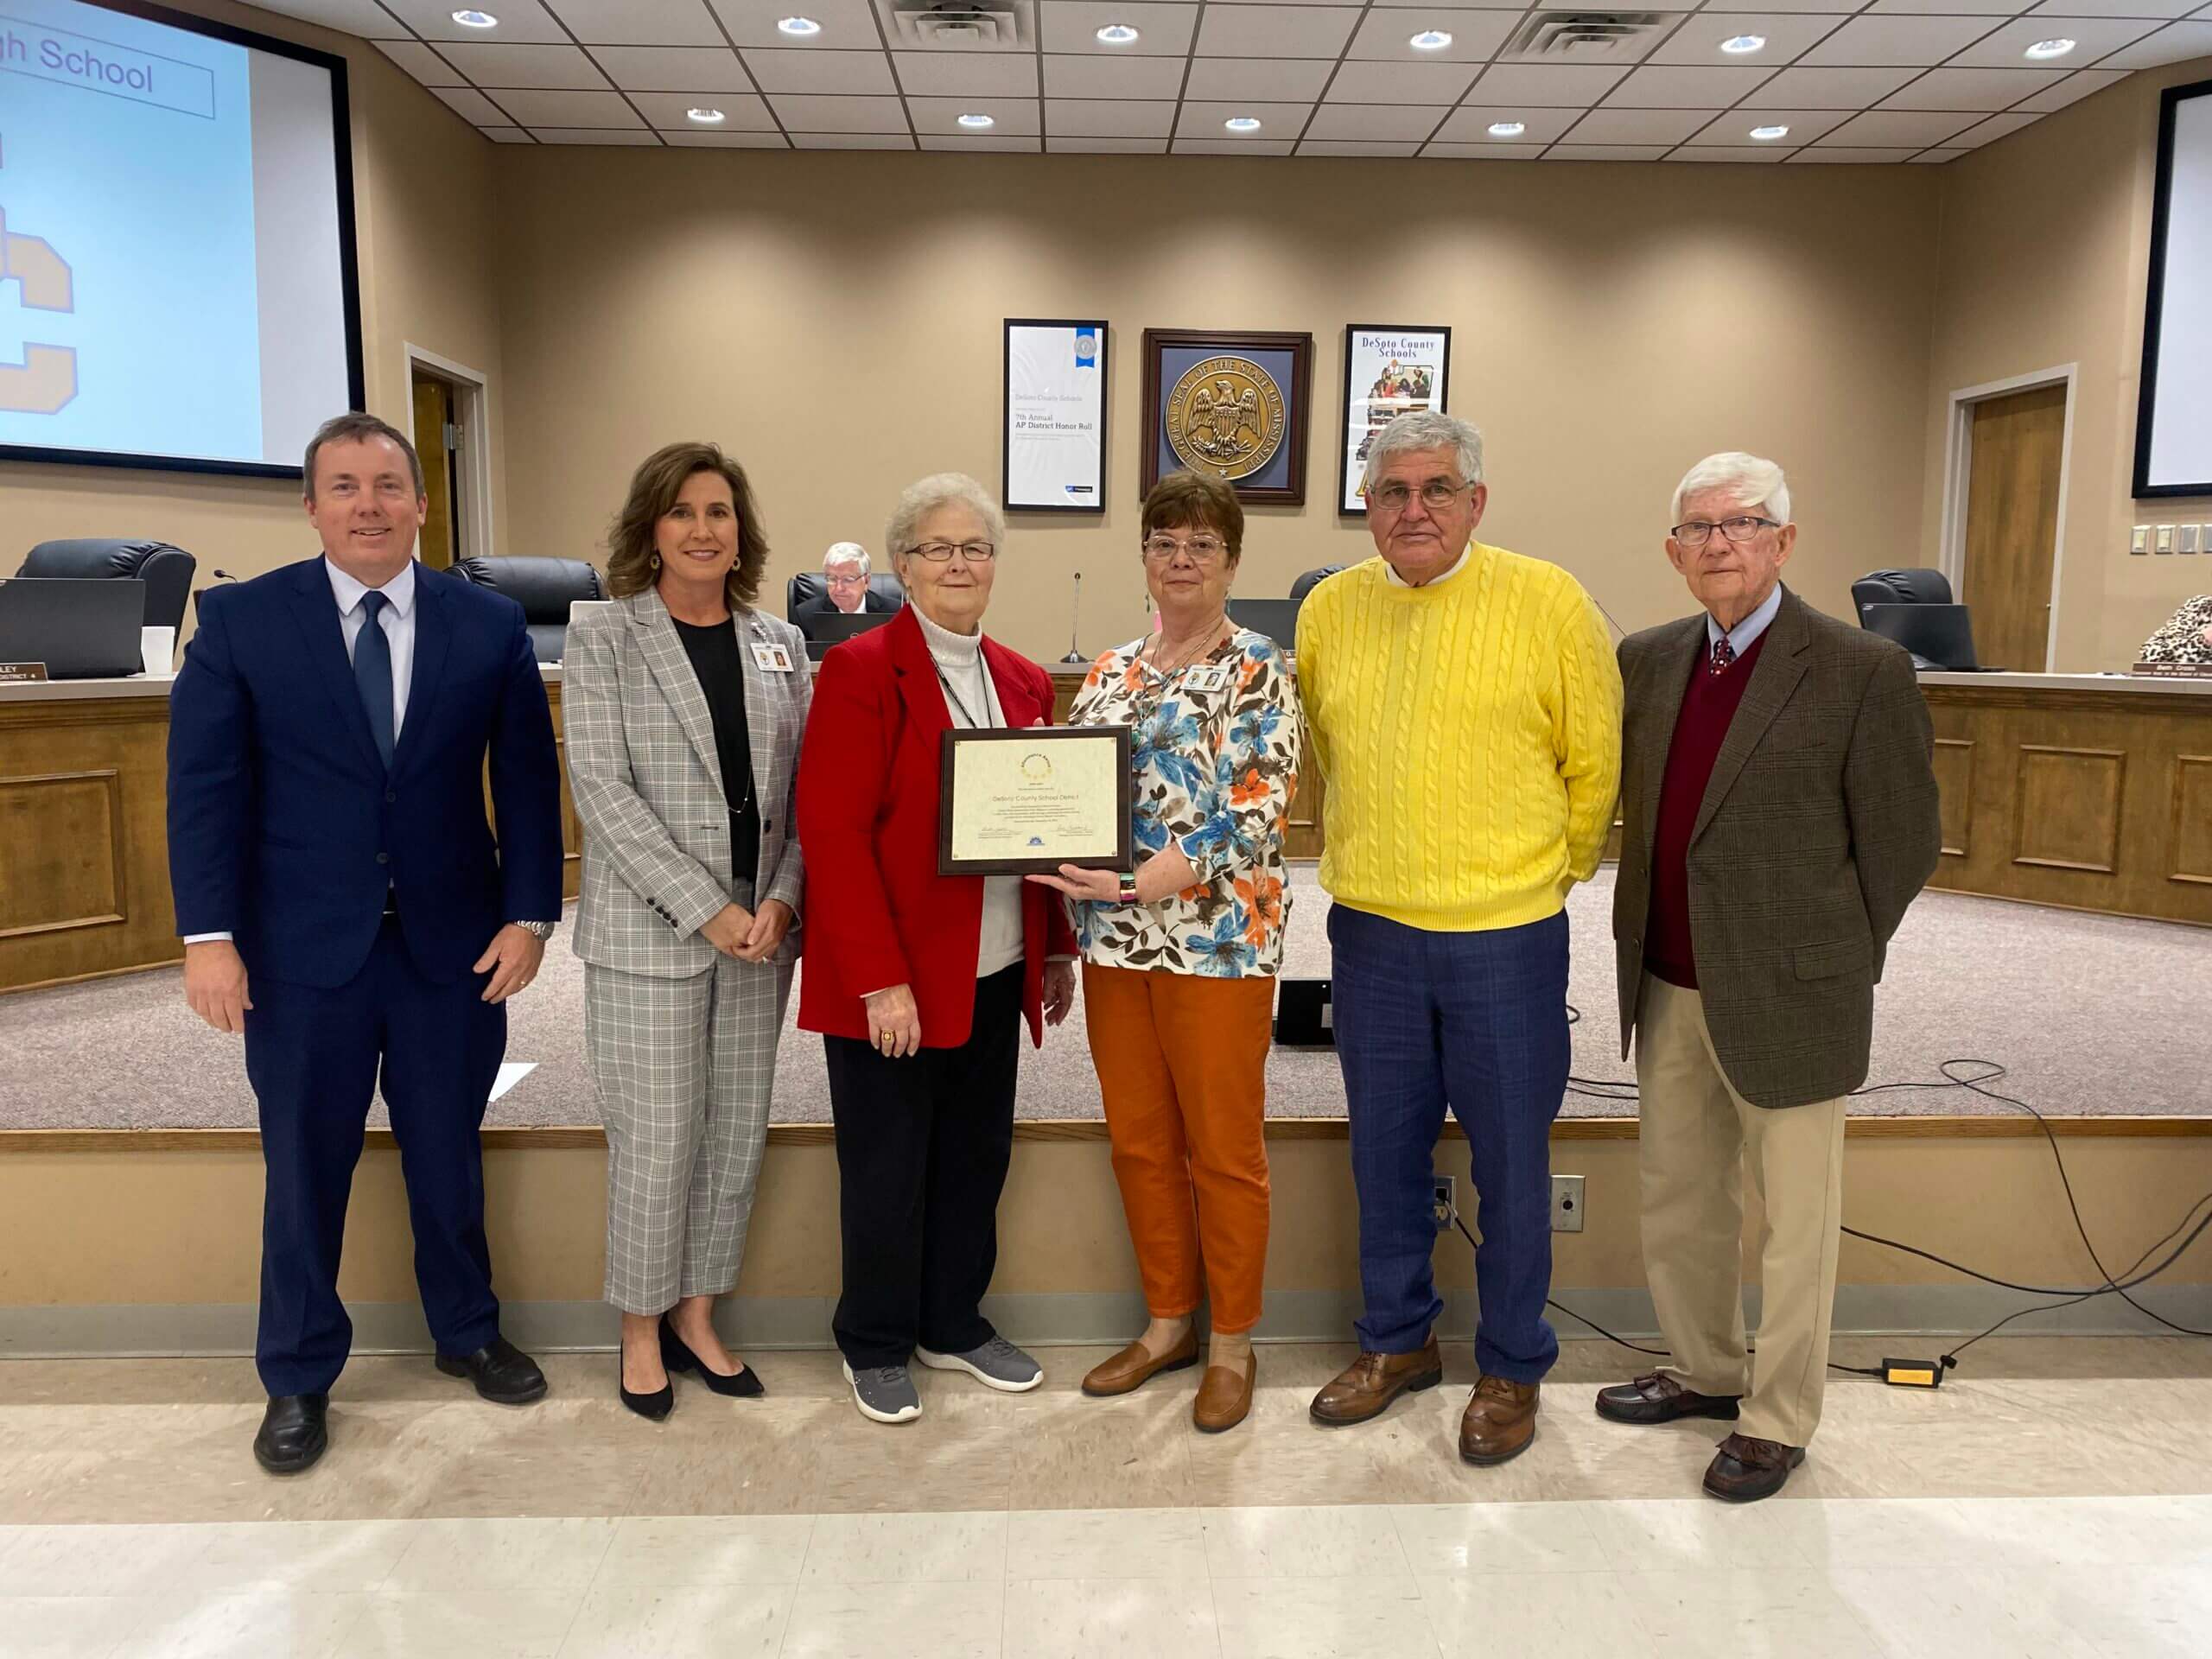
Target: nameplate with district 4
{"points": [[1013, 802]]}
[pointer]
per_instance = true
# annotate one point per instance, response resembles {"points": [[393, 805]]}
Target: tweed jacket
{"points": [[1817, 829], [648, 785]]}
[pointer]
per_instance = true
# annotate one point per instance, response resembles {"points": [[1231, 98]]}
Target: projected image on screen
{"points": [[2173, 434], [174, 242]]}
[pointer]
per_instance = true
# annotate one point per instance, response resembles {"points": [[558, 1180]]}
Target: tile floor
{"points": [[2054, 1497]]}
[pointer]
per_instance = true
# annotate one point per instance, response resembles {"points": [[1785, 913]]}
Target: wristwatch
{"points": [[539, 931], [1128, 894]]}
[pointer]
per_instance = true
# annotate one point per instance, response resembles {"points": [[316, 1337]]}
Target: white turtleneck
{"points": [[972, 701]]}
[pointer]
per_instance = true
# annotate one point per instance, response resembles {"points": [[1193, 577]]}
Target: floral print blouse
{"points": [[1214, 747]]}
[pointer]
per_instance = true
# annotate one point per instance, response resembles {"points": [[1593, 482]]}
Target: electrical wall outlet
{"points": [[1567, 1203], [2138, 539], [1444, 1204]]}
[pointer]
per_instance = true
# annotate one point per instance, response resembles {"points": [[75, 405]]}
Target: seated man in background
{"points": [[844, 579], [1778, 813]]}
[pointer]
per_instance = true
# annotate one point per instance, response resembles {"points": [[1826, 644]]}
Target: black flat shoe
{"points": [[746, 1385], [293, 1432], [502, 1373], [655, 1406]]}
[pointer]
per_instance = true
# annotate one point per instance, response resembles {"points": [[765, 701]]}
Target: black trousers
{"points": [[923, 1145]]}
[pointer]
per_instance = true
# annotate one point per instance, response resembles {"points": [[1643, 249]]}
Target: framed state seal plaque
{"points": [[1231, 405]]}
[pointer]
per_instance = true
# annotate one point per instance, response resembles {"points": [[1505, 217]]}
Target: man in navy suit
{"points": [[346, 906]]}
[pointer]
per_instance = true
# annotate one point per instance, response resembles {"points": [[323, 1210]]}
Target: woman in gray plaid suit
{"points": [[683, 708]]}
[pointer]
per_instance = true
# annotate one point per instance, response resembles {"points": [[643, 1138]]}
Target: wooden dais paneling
{"points": [[2191, 860], [2068, 811], [62, 862], [1954, 767]]}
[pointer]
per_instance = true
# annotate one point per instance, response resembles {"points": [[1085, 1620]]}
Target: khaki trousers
{"points": [[1697, 1134]]}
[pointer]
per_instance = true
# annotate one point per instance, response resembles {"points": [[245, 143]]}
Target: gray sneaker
{"points": [[885, 1393], [997, 1364]]}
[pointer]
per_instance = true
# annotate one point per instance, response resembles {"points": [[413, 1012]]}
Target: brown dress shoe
{"points": [[1745, 1470], [1224, 1396], [1135, 1366], [1659, 1399], [1499, 1422], [1365, 1387]]}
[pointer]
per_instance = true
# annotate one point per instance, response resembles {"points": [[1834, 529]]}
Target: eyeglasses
{"points": [[1745, 528], [974, 552], [1435, 495], [1203, 549]]}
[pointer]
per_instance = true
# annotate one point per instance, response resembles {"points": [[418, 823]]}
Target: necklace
{"points": [[959, 703], [1212, 639]]}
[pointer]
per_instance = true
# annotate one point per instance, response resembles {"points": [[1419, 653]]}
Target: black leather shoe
{"points": [[1745, 1470], [293, 1432], [502, 1373], [655, 1406], [1659, 1399], [678, 1356]]}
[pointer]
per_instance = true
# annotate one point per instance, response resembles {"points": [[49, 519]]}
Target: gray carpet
{"points": [[2094, 1015]]}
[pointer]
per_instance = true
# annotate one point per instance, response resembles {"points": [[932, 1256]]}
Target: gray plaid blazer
{"points": [[648, 785], [1817, 830]]}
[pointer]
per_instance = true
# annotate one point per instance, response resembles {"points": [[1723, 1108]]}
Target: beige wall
{"points": [[2046, 239], [422, 185], [835, 320]]}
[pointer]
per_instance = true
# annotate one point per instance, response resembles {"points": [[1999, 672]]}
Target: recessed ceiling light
{"points": [[1117, 35], [1242, 124], [1767, 135], [1429, 40], [2054, 48], [705, 117], [801, 26], [1738, 44], [977, 123], [1507, 129], [474, 19]]}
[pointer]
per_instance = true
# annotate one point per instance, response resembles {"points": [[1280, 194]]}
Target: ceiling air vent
{"points": [[961, 25], [1583, 37]]}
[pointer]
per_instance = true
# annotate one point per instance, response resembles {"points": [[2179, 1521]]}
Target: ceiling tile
{"points": [[1605, 152], [1227, 146], [1107, 146], [947, 75], [1996, 127], [1073, 26], [673, 68], [542, 109], [2076, 86], [1955, 8], [1475, 35], [472, 105], [1357, 146], [1767, 153], [1758, 6], [1972, 89], [1108, 118], [1735, 126], [695, 140], [1847, 156], [1284, 80], [1833, 89], [2094, 38], [1442, 5], [638, 22], [420, 61], [1011, 117], [362, 17], [741, 111], [1412, 83], [1556, 85], [1068, 76], [821, 72], [1471, 124], [1787, 35], [519, 20], [805, 112], [2170, 44], [845, 24], [1484, 152], [1611, 126], [1938, 157], [2115, 8], [1671, 87], [506, 135], [851, 141], [1376, 122], [984, 141], [635, 137], [1912, 43], [1275, 31], [1912, 128], [1277, 121], [554, 67]]}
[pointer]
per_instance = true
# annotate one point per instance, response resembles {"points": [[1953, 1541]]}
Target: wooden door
{"points": [[2012, 538], [439, 542]]}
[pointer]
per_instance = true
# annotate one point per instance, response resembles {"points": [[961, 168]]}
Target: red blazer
{"points": [[878, 914]]}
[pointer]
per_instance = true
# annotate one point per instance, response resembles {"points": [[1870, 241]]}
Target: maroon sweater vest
{"points": [[1708, 706]]}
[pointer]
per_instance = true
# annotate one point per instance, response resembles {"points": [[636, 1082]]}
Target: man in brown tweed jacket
{"points": [[1778, 814]]}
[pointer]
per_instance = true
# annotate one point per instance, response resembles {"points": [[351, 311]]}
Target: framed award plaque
{"points": [[1232, 405], [1389, 370], [1054, 413], [1014, 800]]}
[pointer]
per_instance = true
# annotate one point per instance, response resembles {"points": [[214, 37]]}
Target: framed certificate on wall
{"points": [[1388, 371], [1054, 417]]}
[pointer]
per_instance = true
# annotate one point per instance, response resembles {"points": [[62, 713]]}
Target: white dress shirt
{"points": [[1391, 571], [1741, 637]]}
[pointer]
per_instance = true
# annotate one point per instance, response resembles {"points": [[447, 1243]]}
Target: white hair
{"points": [[1750, 481], [924, 496], [847, 553], [1429, 429]]}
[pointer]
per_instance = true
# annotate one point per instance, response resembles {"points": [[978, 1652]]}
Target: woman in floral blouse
{"points": [[1180, 957]]}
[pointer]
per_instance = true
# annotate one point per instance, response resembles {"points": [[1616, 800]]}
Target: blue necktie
{"points": [[372, 673]]}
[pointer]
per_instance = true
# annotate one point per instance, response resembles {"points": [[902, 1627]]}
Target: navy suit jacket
{"points": [[285, 828]]}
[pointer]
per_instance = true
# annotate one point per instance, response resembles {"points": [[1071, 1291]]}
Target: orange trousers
{"points": [[1181, 1061]]}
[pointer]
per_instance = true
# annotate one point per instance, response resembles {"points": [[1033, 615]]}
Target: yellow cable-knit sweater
{"points": [[1469, 732]]}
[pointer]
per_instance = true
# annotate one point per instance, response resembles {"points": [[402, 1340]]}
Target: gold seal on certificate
{"points": [[1013, 802]]}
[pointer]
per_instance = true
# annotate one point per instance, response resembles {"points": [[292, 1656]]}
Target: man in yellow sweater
{"points": [[1466, 709]]}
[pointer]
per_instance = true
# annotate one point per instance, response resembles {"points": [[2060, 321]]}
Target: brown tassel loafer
{"points": [[1499, 1422], [1659, 1398], [1133, 1367], [1745, 1470], [1364, 1388], [1224, 1396]]}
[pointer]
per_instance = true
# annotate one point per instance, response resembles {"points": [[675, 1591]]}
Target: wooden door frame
{"points": [[1958, 472], [472, 401]]}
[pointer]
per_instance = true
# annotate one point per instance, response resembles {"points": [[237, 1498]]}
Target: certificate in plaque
{"points": [[1013, 802]]}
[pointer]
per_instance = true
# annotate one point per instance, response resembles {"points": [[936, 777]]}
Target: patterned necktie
{"points": [[372, 673], [1723, 654]]}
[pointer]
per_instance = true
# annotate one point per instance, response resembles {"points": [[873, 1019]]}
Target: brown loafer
{"points": [[1224, 1396], [1133, 1367], [1500, 1421], [1659, 1398], [1745, 1470], [1365, 1387]]}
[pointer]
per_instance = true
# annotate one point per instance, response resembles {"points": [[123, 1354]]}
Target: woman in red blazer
{"points": [[920, 983]]}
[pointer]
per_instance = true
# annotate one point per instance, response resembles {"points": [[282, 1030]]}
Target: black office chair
{"points": [[1900, 588], [809, 585], [166, 569], [543, 587], [1312, 579]]}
